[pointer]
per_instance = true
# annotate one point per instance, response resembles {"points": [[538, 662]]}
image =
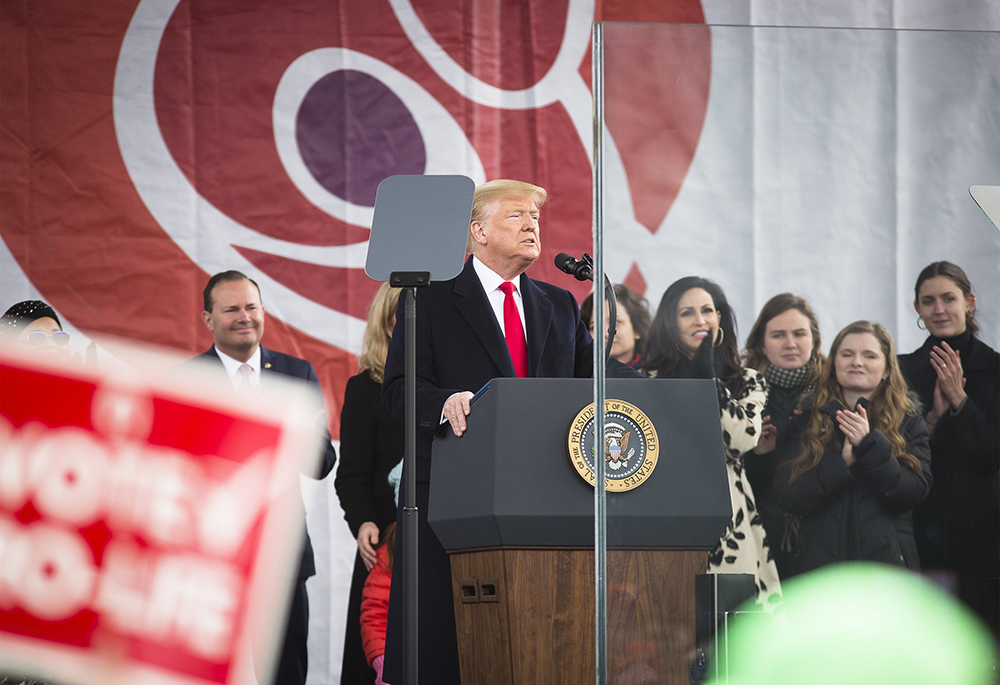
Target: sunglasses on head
{"points": [[37, 338]]}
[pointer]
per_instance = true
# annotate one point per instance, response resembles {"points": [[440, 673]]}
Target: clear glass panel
{"points": [[832, 163]]}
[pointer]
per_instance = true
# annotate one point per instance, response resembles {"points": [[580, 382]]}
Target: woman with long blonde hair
{"points": [[371, 444], [856, 464]]}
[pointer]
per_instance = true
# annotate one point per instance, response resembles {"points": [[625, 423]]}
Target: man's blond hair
{"points": [[488, 194]]}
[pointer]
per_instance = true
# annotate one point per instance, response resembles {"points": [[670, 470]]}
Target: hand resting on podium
{"points": [[456, 408]]}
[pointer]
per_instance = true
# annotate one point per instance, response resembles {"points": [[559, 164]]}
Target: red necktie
{"points": [[514, 331]]}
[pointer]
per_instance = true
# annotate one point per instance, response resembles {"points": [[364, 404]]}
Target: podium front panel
{"points": [[509, 482]]}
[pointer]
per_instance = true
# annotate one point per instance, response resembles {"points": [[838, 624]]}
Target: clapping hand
{"points": [[950, 381], [854, 425]]}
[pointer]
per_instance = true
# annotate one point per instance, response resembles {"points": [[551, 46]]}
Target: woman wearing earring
{"points": [[957, 377], [694, 336], [371, 444], [856, 464], [784, 346], [632, 324]]}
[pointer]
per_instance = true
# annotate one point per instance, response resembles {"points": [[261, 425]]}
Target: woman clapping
{"points": [[957, 377], [856, 464]]}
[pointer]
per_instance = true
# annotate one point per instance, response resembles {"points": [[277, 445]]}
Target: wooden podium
{"points": [[518, 523]]}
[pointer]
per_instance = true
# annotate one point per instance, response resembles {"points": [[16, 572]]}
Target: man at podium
{"points": [[490, 321]]}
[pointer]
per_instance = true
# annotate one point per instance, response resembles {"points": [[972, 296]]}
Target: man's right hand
{"points": [[456, 408]]}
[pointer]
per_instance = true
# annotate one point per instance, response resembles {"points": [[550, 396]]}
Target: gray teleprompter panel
{"points": [[420, 224]]}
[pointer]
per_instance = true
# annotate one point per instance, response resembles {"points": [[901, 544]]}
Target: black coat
{"points": [[371, 444], [958, 526], [760, 470], [460, 346], [861, 513]]}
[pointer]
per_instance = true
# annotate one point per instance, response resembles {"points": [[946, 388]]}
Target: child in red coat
{"points": [[375, 604]]}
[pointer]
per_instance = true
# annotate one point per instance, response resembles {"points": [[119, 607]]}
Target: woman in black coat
{"points": [[784, 346], [371, 444], [858, 462], [957, 377]]}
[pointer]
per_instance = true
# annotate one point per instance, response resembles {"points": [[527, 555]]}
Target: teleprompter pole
{"points": [[410, 281]]}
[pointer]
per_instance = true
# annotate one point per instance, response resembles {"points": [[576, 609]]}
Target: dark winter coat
{"points": [[958, 525], [861, 513], [963, 510]]}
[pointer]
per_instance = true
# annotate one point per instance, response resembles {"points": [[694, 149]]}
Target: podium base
{"points": [[527, 615]]}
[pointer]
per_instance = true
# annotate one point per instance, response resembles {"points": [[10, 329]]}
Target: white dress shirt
{"points": [[233, 368], [491, 281]]}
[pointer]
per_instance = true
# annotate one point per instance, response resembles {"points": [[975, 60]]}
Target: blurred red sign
{"points": [[144, 526]]}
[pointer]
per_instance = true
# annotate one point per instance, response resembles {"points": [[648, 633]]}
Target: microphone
{"points": [[580, 269]]}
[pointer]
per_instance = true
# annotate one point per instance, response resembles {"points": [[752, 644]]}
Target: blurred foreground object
{"points": [[144, 524], [863, 623]]}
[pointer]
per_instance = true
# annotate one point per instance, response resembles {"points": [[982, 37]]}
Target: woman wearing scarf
{"points": [[784, 346]]}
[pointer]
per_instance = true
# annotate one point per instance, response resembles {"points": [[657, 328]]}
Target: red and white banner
{"points": [[147, 145], [148, 529]]}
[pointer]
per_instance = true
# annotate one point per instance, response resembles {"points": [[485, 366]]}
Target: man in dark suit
{"points": [[489, 321], [235, 315]]}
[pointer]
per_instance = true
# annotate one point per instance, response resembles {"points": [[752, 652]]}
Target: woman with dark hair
{"points": [[694, 336], [632, 324], [371, 444], [856, 464], [784, 346], [957, 377]]}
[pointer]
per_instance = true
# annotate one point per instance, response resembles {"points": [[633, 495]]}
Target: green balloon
{"points": [[860, 623]]}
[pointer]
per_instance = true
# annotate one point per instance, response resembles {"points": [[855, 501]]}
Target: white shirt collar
{"points": [[232, 366], [490, 279]]}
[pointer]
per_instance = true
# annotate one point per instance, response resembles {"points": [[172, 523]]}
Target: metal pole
{"points": [[410, 546], [600, 511]]}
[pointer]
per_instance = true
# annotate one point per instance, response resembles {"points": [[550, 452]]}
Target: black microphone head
{"points": [[565, 262]]}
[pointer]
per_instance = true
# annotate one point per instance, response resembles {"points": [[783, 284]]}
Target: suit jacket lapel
{"points": [[472, 303], [537, 315], [266, 363]]}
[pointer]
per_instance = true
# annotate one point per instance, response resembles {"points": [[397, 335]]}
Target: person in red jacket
{"points": [[375, 604]]}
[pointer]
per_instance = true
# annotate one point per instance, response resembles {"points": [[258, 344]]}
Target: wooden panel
{"points": [[483, 629], [542, 628], [651, 614], [552, 616]]}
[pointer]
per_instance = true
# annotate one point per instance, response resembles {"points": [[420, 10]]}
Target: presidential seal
{"points": [[630, 445]]}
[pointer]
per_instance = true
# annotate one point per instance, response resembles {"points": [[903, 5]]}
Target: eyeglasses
{"points": [[37, 338]]}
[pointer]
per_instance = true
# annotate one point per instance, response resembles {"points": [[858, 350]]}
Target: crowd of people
{"points": [[859, 454]]}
